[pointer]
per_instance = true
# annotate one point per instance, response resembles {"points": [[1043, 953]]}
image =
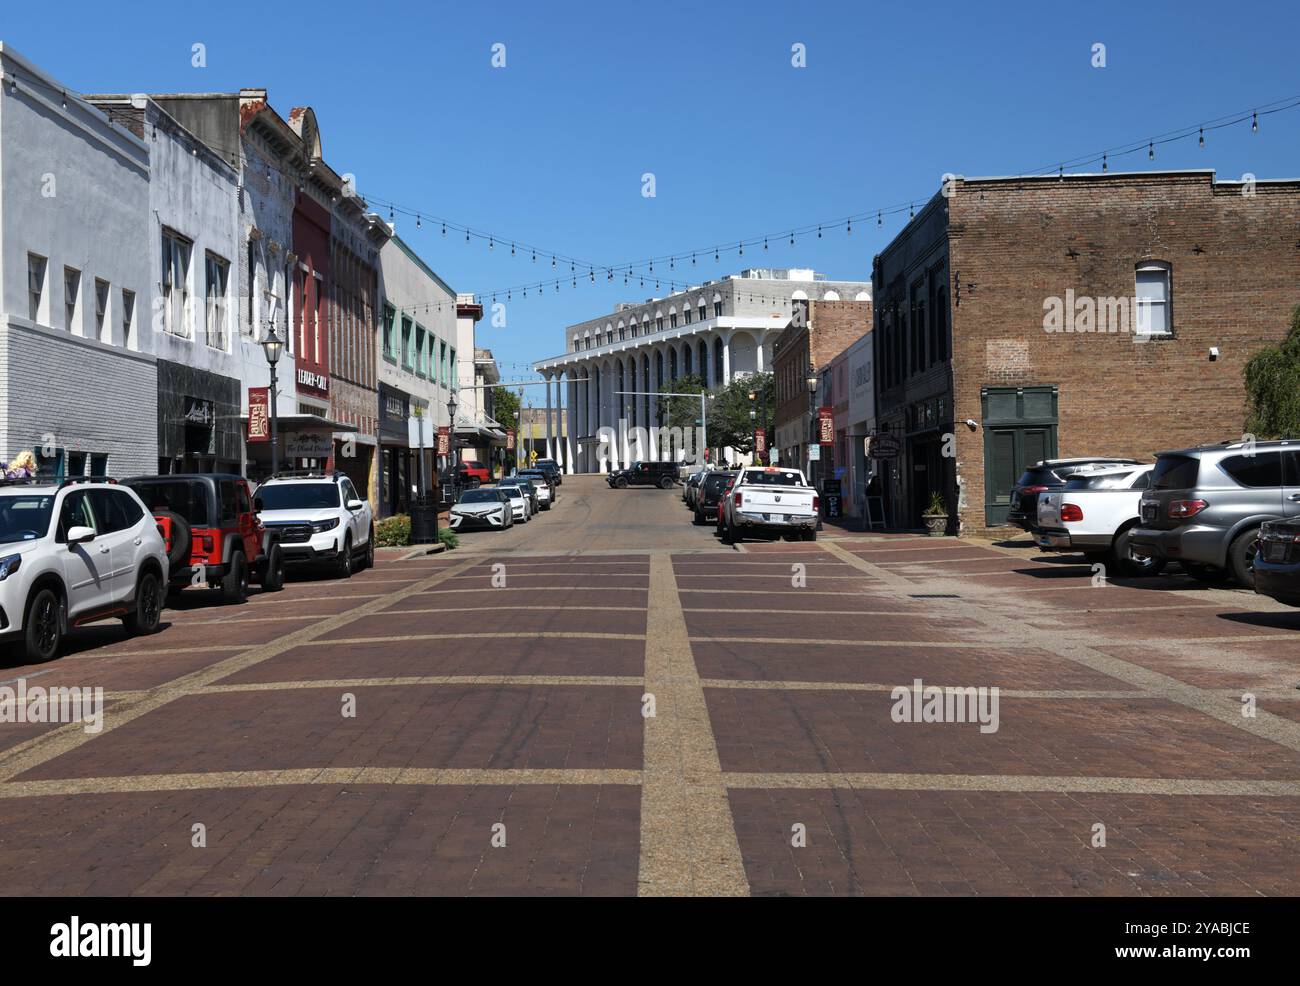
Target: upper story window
{"points": [[128, 316], [71, 289], [717, 307], [703, 311], [408, 357], [686, 313], [422, 352], [216, 276], [672, 320], [176, 251], [36, 266], [103, 327], [390, 316], [576, 347], [659, 323], [1153, 311]]}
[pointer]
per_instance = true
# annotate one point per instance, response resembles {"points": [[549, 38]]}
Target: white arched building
{"points": [[719, 331]]}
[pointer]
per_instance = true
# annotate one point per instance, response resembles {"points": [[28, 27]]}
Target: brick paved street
{"points": [[478, 706]]}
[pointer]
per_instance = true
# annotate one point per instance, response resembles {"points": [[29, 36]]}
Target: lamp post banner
{"points": [[259, 414], [826, 425], [444, 440]]}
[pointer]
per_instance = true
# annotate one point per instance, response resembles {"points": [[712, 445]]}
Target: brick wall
{"points": [[1014, 244]]}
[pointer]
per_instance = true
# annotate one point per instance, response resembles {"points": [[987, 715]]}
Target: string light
{"points": [[1254, 123], [1202, 140]]}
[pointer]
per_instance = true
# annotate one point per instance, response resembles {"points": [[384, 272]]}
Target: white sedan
{"points": [[520, 508], [481, 508]]}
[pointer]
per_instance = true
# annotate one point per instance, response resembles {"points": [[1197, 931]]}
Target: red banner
{"points": [[760, 441], [510, 439], [826, 425], [444, 440], [259, 414]]}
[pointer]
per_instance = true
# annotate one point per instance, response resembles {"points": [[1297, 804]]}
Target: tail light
{"points": [[1182, 509], [817, 503], [738, 500], [1071, 512], [1033, 489]]}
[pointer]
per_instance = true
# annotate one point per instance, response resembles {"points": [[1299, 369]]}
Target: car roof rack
{"points": [[307, 474], [31, 481]]}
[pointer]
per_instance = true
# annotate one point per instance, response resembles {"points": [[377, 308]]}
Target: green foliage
{"points": [[681, 412], [448, 537], [393, 532], [505, 407], [937, 506], [729, 422], [1272, 378]]}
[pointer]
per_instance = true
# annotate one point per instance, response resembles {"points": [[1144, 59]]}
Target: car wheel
{"points": [[808, 535], [273, 579], [368, 559], [733, 534], [43, 626], [1241, 558], [343, 564], [666, 483], [148, 606], [234, 584], [1131, 563]]}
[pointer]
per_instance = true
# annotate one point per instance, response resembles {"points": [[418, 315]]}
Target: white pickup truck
{"points": [[1094, 513], [772, 501]]}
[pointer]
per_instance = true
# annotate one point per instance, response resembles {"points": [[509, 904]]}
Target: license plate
{"points": [[1148, 511], [1275, 552]]}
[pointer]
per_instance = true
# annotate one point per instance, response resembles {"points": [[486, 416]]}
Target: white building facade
{"points": [[77, 381], [610, 379]]}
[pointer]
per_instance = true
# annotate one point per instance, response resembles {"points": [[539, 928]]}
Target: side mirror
{"points": [[258, 505], [356, 504], [80, 535]]}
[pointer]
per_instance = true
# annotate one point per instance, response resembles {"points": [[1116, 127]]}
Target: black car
{"points": [[713, 487], [552, 470], [1049, 474], [1277, 562], [661, 474]]}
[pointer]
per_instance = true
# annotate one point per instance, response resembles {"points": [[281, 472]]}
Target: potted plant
{"points": [[936, 516]]}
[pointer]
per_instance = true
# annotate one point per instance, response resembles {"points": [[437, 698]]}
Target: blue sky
{"points": [[551, 148]]}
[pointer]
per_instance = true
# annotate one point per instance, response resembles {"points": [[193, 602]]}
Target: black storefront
{"points": [[398, 466], [199, 426]]}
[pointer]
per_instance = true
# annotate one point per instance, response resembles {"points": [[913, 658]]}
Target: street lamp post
{"points": [[273, 347], [812, 414]]}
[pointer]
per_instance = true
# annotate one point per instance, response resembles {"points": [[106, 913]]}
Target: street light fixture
{"points": [[273, 347]]}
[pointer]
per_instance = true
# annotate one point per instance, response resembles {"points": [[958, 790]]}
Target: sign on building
{"points": [[826, 425], [760, 441], [444, 440], [510, 439]]}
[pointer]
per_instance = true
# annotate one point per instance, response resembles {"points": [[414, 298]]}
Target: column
{"points": [[593, 415], [570, 401], [550, 441], [652, 453], [726, 359], [758, 353]]}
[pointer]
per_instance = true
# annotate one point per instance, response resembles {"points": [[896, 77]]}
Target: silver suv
{"points": [[1205, 504]]}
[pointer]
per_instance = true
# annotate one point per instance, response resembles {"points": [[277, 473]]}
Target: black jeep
{"points": [[661, 474]]}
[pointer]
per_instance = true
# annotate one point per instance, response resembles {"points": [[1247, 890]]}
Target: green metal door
{"points": [[1019, 430]]}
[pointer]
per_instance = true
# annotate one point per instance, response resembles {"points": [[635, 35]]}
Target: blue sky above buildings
{"points": [[551, 149]]}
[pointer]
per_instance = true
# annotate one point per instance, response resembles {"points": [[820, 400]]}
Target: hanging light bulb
{"points": [[692, 260], [444, 229], [392, 215], [911, 214], [819, 232], [1103, 163], [1151, 152], [592, 272], [672, 263], [652, 267], [417, 220], [512, 249], [848, 226], [1254, 123], [741, 248], [466, 234], [764, 242], [65, 103], [534, 256], [552, 261], [715, 255], [1060, 172], [1202, 139], [879, 219], [491, 243], [792, 237]]}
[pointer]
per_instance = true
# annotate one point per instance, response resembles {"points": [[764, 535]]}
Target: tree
{"points": [[505, 408], [729, 421], [682, 412], [1272, 378]]}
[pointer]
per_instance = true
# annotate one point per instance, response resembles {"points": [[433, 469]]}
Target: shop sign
{"points": [[259, 414], [826, 425], [308, 445], [444, 440]]}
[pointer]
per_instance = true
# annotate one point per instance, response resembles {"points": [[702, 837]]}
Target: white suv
{"points": [[73, 553], [319, 519]]}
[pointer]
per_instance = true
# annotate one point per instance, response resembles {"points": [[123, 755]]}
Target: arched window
{"points": [[1153, 313], [717, 305], [831, 296], [672, 317]]}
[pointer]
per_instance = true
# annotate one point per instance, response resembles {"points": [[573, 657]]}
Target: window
{"points": [[98, 465], [101, 309], [128, 316], [1261, 470], [453, 377], [75, 513], [686, 314], [672, 320], [442, 363], [717, 307], [703, 311], [406, 343], [76, 463], [35, 285], [71, 287], [420, 356], [659, 323], [176, 283], [216, 273], [390, 317], [1152, 314]]}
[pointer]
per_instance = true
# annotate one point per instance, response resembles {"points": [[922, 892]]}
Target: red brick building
{"points": [[818, 332], [1026, 318]]}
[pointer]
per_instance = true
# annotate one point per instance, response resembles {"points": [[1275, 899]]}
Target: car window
{"points": [[299, 496], [1141, 481], [76, 512], [241, 498], [226, 500], [1175, 472], [25, 518], [189, 498], [480, 496], [1261, 470], [778, 477]]}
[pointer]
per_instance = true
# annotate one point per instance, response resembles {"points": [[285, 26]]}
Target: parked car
{"points": [[477, 470], [771, 501], [521, 508], [1277, 562], [214, 536], [1206, 505], [542, 482], [1049, 474], [530, 491], [552, 470], [661, 474], [72, 553], [691, 484], [319, 519], [720, 515], [487, 507], [1095, 513], [712, 488]]}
